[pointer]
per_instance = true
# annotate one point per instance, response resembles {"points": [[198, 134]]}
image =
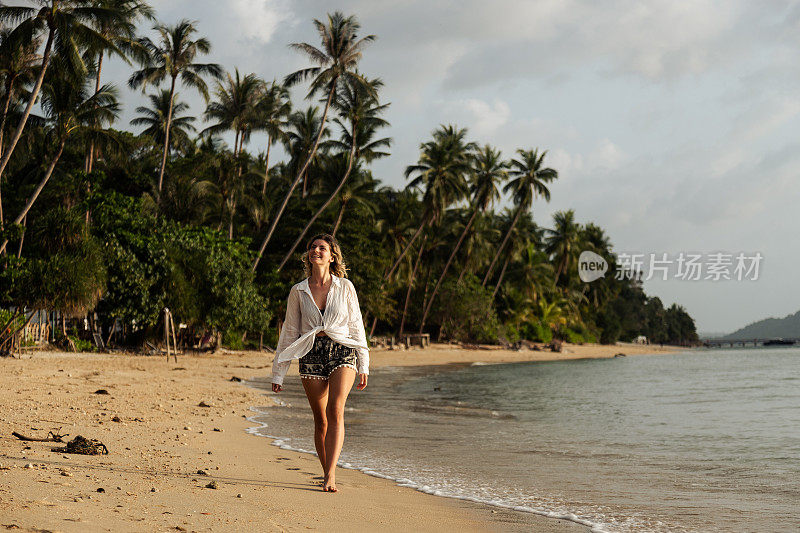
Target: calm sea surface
{"points": [[693, 441]]}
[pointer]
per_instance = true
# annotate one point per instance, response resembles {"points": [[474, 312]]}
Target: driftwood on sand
{"points": [[51, 437]]}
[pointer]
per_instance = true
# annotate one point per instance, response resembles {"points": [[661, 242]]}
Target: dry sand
{"points": [[150, 482]]}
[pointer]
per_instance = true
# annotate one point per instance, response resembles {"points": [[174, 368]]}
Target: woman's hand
{"points": [[276, 387], [362, 382]]}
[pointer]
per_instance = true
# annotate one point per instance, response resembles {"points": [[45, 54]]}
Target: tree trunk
{"points": [[446, 267], [403, 253], [464, 269], [339, 218], [561, 268], [166, 138], [22, 237], [500, 279], [350, 159], [38, 189], [266, 164], [297, 179], [427, 283], [372, 329], [31, 101], [6, 104], [230, 222], [90, 163], [410, 285], [503, 245]]}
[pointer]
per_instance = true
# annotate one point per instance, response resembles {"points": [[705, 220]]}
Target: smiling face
{"points": [[319, 253]]}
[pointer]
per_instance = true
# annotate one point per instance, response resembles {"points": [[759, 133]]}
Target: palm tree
{"points": [[442, 169], [155, 118], [411, 279], [340, 54], [273, 109], [524, 234], [478, 245], [299, 137], [530, 179], [535, 271], [18, 65], [235, 107], [593, 238], [359, 191], [18, 62], [562, 241], [489, 170], [69, 25], [185, 199], [173, 57], [358, 104], [227, 187], [70, 110], [121, 30]]}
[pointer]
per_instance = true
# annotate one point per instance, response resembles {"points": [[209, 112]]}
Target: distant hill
{"points": [[787, 327]]}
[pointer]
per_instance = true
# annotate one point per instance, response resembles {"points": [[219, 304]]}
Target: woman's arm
{"points": [[290, 332], [357, 333]]}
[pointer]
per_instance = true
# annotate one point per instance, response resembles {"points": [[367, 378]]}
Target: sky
{"points": [[672, 125]]}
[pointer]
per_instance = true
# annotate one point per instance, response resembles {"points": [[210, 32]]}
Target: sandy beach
{"points": [[165, 448]]}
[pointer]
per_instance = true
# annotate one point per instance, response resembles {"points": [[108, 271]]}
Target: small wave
{"points": [[281, 442], [456, 410]]}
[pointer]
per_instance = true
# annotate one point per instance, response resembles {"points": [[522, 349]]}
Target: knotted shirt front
{"points": [[341, 321]]}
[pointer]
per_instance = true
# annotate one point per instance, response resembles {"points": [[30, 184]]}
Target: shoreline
{"points": [[150, 479]]}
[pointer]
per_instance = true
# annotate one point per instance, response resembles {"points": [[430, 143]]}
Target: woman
{"points": [[325, 331]]}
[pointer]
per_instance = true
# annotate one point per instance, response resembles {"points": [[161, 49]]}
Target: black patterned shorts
{"points": [[325, 357]]}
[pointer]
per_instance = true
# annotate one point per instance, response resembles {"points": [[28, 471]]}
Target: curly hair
{"points": [[338, 267]]}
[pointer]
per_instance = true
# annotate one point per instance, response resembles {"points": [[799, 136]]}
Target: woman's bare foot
{"points": [[329, 485]]}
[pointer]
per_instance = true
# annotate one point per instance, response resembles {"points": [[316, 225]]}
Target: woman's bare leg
{"points": [[339, 384], [317, 393]]}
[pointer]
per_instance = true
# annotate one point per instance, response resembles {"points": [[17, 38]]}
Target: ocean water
{"points": [[703, 440]]}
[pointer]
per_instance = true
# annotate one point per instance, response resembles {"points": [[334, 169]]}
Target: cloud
{"points": [[260, 19], [482, 118], [544, 41]]}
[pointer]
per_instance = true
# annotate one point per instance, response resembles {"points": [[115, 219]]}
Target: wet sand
{"points": [[165, 449]]}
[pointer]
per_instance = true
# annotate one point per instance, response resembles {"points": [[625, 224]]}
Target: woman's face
{"points": [[320, 253]]}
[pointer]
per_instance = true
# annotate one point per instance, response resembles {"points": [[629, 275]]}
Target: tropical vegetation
{"points": [[104, 226]]}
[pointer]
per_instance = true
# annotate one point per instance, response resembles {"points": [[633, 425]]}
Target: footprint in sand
{"points": [[292, 468]]}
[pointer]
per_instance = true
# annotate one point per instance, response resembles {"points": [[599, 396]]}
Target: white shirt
{"points": [[342, 322]]}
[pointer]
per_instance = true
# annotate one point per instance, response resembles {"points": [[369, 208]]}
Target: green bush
{"points": [[536, 332], [233, 340], [465, 312]]}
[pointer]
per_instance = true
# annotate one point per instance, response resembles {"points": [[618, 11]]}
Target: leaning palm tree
{"points": [[530, 181], [359, 192], [174, 57], [337, 61], [155, 119], [69, 27], [70, 110], [18, 63], [442, 169], [359, 105], [489, 170], [121, 30], [525, 233], [273, 109], [562, 242]]}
